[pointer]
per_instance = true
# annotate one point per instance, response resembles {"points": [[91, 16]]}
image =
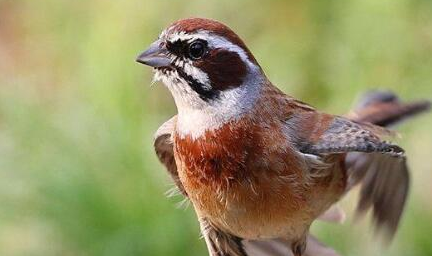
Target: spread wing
{"points": [[384, 182], [328, 134], [379, 166]]}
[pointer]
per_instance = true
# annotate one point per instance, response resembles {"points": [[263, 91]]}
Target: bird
{"points": [[259, 166]]}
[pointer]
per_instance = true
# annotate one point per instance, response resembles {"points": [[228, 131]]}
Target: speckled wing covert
{"points": [[341, 135]]}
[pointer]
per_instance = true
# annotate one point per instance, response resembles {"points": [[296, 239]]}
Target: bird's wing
{"points": [[384, 180], [163, 144], [319, 134], [378, 165], [384, 184]]}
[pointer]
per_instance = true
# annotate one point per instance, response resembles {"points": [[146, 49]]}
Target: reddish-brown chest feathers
{"points": [[243, 175], [247, 177], [218, 157], [243, 151], [249, 149]]}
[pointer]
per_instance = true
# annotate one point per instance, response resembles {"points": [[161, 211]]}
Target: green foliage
{"points": [[78, 175]]}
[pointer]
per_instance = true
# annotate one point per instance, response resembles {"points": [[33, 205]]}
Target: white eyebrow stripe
{"points": [[220, 42], [182, 36]]}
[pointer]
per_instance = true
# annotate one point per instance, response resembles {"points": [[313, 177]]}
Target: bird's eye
{"points": [[196, 50]]}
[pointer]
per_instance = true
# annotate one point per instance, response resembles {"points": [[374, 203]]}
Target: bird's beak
{"points": [[155, 56]]}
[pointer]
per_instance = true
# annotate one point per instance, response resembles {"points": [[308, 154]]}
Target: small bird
{"points": [[260, 166]]}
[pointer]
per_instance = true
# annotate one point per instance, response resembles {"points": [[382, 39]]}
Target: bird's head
{"points": [[205, 65]]}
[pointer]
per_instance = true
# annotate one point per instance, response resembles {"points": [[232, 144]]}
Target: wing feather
{"points": [[163, 144], [378, 165]]}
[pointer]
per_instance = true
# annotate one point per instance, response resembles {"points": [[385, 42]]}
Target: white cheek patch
{"points": [[183, 94], [190, 70], [198, 75]]}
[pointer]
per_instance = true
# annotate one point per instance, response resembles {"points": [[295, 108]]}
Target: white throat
{"points": [[196, 116], [232, 105]]}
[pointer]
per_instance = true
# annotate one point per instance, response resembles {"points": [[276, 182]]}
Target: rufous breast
{"points": [[245, 178]]}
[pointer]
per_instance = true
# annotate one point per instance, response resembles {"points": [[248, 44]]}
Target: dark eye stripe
{"points": [[198, 87], [225, 69]]}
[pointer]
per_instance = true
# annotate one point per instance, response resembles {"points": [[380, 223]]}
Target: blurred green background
{"points": [[78, 175]]}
